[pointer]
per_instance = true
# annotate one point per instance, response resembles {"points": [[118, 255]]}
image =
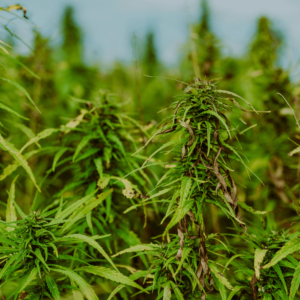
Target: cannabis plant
{"points": [[42, 260], [199, 175], [267, 265], [93, 155]]}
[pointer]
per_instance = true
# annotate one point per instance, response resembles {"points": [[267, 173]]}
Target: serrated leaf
{"points": [[185, 254], [38, 254], [85, 288], [211, 112], [258, 259], [295, 283], [176, 290], [9, 169], [70, 209], [43, 134], [76, 294], [288, 248], [235, 95], [89, 205], [57, 156], [52, 286], [22, 90], [180, 212], [26, 280], [186, 184], [115, 291], [220, 286], [82, 144], [220, 276], [19, 158], [158, 150], [138, 248], [250, 209], [93, 243], [281, 277], [111, 275]]}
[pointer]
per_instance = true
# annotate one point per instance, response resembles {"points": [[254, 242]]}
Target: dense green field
{"points": [[142, 181]]}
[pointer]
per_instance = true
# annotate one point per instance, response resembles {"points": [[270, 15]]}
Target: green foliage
{"points": [[87, 207]]}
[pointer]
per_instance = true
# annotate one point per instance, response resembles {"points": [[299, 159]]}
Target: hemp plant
{"points": [[199, 175], [94, 154], [41, 260], [269, 258]]}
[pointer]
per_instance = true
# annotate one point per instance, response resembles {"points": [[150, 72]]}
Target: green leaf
{"points": [[57, 156], [220, 276], [197, 282], [45, 133], [138, 248], [289, 248], [184, 205], [9, 169], [115, 291], [69, 210], [235, 95], [76, 294], [89, 205], [208, 125], [295, 282], [99, 166], [186, 185], [51, 284], [280, 275], [179, 214], [234, 291], [19, 158], [177, 291], [267, 296], [22, 90], [85, 288], [167, 292], [211, 112], [250, 209], [111, 275], [38, 254], [11, 215], [82, 144], [21, 64], [158, 150], [282, 295], [230, 260], [4, 107], [185, 254], [27, 280], [21, 213], [258, 259], [91, 242]]}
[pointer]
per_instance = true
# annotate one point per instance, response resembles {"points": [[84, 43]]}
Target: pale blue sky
{"points": [[109, 24]]}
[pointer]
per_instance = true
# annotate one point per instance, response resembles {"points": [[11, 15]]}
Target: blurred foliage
{"points": [[78, 204]]}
